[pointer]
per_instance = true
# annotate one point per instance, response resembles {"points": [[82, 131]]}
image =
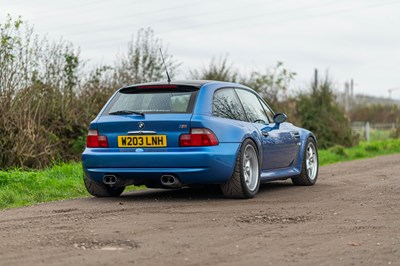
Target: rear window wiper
{"points": [[126, 112]]}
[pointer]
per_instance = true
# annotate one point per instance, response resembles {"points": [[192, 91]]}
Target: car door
{"points": [[279, 143]]}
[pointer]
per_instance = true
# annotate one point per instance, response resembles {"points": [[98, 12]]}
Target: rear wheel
{"points": [[100, 189], [245, 181], [309, 171]]}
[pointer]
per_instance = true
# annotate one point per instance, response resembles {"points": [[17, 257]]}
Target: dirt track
{"points": [[351, 217]]}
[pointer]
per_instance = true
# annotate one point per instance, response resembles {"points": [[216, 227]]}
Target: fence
{"points": [[375, 131]]}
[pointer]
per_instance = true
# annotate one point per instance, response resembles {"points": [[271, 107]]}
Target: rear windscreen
{"points": [[153, 101]]}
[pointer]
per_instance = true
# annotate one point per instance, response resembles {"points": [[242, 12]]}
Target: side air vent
{"points": [[295, 134]]}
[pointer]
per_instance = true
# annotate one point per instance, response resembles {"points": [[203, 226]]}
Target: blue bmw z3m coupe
{"points": [[171, 135]]}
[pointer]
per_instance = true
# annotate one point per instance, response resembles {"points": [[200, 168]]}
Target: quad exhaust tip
{"points": [[170, 181], [110, 179]]}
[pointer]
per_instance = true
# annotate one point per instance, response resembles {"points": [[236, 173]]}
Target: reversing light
{"points": [[94, 140], [198, 137]]}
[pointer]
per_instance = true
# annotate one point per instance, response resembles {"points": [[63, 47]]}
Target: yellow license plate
{"points": [[142, 141]]}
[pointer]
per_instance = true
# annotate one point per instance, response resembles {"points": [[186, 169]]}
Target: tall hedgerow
{"points": [[46, 98], [319, 112]]}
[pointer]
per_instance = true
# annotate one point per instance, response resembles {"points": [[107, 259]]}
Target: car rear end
{"points": [[145, 135]]}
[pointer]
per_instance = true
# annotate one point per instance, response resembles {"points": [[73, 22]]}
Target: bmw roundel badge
{"points": [[141, 125]]}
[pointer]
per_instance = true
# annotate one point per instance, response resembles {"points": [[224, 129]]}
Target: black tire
{"points": [[100, 189], [245, 180], [309, 173]]}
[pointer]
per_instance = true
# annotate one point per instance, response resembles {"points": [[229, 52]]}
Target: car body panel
{"points": [[280, 146]]}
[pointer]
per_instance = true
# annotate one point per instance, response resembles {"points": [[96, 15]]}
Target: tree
{"points": [[217, 70], [143, 62], [376, 113], [273, 85], [319, 112]]}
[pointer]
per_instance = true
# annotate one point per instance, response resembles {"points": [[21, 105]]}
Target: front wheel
{"points": [[245, 181], [309, 171]]}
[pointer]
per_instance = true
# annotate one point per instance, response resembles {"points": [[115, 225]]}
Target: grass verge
{"points": [[64, 181], [363, 150], [21, 188]]}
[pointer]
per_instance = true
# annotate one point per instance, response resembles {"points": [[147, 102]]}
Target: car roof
{"points": [[193, 83]]}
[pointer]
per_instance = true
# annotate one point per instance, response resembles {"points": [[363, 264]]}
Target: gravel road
{"points": [[350, 217]]}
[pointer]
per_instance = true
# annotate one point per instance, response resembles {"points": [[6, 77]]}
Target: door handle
{"points": [[264, 133]]}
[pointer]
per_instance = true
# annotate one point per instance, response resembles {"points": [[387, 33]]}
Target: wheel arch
{"points": [[311, 135], [257, 144], [238, 186], [305, 136]]}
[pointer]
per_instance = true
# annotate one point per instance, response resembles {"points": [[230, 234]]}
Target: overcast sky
{"points": [[357, 39]]}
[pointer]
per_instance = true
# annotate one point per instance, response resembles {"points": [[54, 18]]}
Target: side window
{"points": [[267, 111], [227, 105], [252, 106]]}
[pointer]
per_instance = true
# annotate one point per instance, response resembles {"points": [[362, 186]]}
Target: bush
{"points": [[38, 97], [319, 112], [46, 101], [338, 150], [217, 70], [372, 148]]}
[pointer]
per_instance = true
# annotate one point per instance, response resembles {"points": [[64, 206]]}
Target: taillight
{"points": [[198, 137], [94, 140]]}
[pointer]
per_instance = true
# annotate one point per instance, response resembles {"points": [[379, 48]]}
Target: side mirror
{"points": [[280, 118]]}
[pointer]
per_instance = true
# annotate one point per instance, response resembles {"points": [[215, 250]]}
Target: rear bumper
{"points": [[194, 165]]}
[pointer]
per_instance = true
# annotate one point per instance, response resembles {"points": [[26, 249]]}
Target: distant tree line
{"points": [[376, 113], [48, 96]]}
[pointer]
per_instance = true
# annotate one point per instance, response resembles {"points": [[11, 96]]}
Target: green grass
{"points": [[64, 181], [363, 150], [21, 188]]}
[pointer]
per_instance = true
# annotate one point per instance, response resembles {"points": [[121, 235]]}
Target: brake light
{"points": [[198, 137], [94, 140], [158, 87]]}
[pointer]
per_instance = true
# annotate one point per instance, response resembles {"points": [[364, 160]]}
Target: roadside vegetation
{"points": [[58, 182], [21, 188], [374, 148], [48, 95]]}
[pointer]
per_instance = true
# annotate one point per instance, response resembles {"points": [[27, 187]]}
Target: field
{"points": [[64, 181]]}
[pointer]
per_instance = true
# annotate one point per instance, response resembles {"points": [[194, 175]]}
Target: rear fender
{"points": [[258, 144], [229, 131]]}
